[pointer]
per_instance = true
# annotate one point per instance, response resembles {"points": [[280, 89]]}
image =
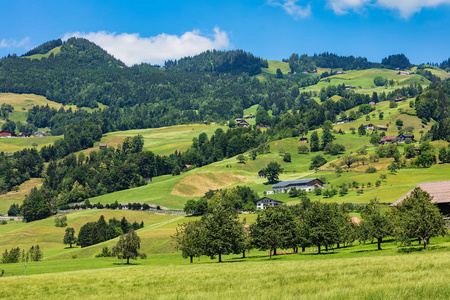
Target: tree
{"points": [[241, 158], [303, 149], [377, 224], [348, 160], [127, 247], [36, 206], [362, 130], [317, 161], [223, 231], [69, 237], [272, 171], [322, 225], [392, 167], [314, 142], [190, 239], [61, 221], [327, 137], [287, 157], [418, 217], [279, 74]]}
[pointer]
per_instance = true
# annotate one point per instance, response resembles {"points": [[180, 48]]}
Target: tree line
{"points": [[320, 225]]}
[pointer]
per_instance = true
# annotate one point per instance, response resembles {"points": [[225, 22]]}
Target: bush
{"points": [[143, 256], [317, 161], [399, 122], [303, 149], [3, 222], [380, 81], [287, 157], [371, 170]]}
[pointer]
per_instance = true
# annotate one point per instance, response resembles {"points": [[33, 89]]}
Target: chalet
{"points": [[250, 116], [22, 135], [382, 128], [342, 122], [405, 73], [348, 87], [340, 73], [260, 125], [266, 202], [261, 174], [6, 134], [405, 137], [39, 134], [372, 103], [310, 72], [388, 139], [243, 124], [439, 190], [239, 120], [398, 99], [370, 127], [300, 184], [186, 168], [102, 145]]}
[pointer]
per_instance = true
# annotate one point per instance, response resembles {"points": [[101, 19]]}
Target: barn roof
{"points": [[293, 182], [439, 190]]}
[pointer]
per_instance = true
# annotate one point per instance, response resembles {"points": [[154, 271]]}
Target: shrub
{"points": [[317, 161], [371, 170], [303, 149], [287, 157], [3, 222]]}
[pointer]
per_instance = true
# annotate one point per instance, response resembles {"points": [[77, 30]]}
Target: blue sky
{"points": [[153, 31]]}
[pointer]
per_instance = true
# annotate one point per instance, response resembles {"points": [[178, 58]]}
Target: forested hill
{"points": [[234, 62]]}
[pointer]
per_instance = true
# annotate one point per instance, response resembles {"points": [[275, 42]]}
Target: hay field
{"points": [[196, 185], [6, 200]]}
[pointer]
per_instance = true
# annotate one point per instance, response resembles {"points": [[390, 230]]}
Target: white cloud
{"points": [[131, 48], [292, 8], [406, 8], [12, 43], [341, 7], [409, 7]]}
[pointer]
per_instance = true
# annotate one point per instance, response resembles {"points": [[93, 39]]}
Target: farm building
{"points": [[102, 145], [265, 202], [261, 174], [6, 134], [382, 127], [439, 190], [405, 137], [372, 103], [238, 120], [250, 116], [388, 139], [300, 184], [39, 134], [348, 87], [243, 124], [369, 127]]}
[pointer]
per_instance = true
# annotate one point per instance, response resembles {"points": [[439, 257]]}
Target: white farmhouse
{"points": [[265, 202]]}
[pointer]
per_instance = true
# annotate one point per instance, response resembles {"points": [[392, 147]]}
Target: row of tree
{"points": [[309, 224]]}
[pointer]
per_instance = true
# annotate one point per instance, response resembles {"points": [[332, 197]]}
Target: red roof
{"points": [[388, 138]]}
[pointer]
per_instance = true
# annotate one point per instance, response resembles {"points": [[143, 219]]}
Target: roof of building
{"points": [[439, 190], [355, 220], [293, 182], [381, 126], [388, 138], [271, 199]]}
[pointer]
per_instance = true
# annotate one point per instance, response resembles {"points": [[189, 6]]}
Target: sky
{"points": [[154, 31]]}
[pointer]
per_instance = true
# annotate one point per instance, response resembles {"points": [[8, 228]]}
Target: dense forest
{"points": [[326, 60]]}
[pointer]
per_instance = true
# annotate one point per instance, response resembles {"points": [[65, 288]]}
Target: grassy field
{"points": [[10, 145], [54, 51], [17, 197], [164, 140], [411, 276]]}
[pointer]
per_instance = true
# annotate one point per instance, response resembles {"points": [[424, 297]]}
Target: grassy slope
{"points": [[55, 51], [413, 276], [17, 197]]}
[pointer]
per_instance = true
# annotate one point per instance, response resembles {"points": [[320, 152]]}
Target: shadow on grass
{"points": [[125, 264], [270, 183], [363, 251]]}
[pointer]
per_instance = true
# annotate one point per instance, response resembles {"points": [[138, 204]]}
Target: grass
{"points": [[17, 197], [411, 276], [164, 140], [54, 51], [10, 145]]}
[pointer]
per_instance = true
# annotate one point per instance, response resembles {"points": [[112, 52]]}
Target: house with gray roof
{"points": [[308, 185]]}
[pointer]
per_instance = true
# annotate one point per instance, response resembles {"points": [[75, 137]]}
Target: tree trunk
{"points": [[270, 254], [338, 246], [420, 241], [275, 251], [220, 257], [326, 248], [303, 249], [379, 243], [192, 261], [425, 244], [128, 260], [243, 254], [319, 248]]}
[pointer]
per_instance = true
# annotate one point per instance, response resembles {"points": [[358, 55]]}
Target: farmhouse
{"points": [[382, 127], [6, 134], [348, 87], [261, 174], [388, 139], [102, 145], [369, 127], [372, 103], [439, 190], [39, 134], [250, 116], [22, 135], [404, 137], [265, 202], [300, 184], [243, 124], [340, 73], [398, 99], [239, 120]]}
